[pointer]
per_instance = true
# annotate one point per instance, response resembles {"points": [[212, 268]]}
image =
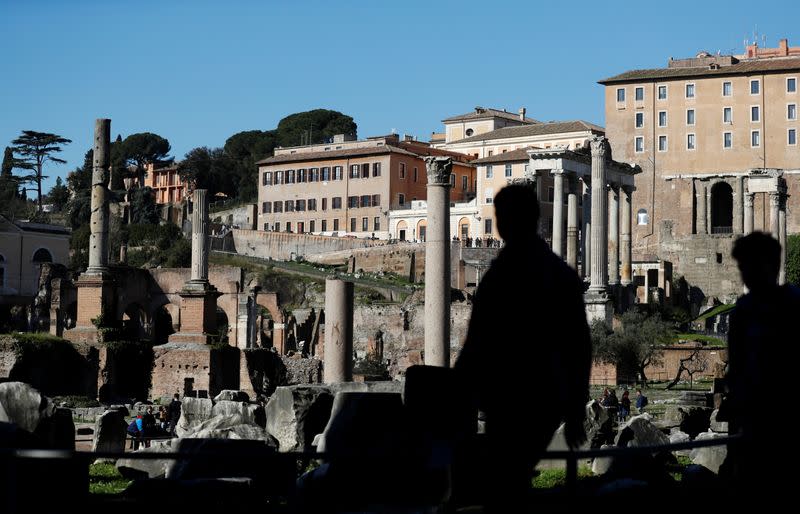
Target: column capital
{"points": [[775, 198], [558, 171], [599, 146], [748, 199], [438, 169]]}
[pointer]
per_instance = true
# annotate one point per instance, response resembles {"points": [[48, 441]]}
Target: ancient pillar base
{"points": [[95, 298], [598, 306], [183, 367], [198, 314], [192, 338]]}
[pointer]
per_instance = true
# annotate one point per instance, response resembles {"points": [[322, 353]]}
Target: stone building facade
{"points": [[709, 133]]}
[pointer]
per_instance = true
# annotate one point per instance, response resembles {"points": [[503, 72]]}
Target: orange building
{"points": [[167, 185]]}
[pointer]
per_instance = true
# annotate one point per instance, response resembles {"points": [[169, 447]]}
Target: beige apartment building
{"points": [[347, 188], [706, 131]]}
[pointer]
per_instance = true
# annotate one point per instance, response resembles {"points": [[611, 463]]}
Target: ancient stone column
{"points": [[200, 236], [738, 207], [437, 263], [700, 211], [572, 225], [613, 233], [338, 353], [774, 208], [748, 213], [625, 236], [98, 239], [586, 240], [782, 239], [599, 252], [558, 212]]}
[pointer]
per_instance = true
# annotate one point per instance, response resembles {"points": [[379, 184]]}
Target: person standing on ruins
{"points": [[174, 413], [528, 328]]}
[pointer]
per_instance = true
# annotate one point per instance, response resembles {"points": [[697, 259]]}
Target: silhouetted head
{"points": [[759, 258], [517, 212], [177, 396]]}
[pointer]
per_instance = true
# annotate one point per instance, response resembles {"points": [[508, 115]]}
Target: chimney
{"points": [[522, 112], [408, 137], [783, 47]]}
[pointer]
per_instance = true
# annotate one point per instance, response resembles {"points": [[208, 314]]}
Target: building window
{"points": [[364, 224], [792, 137], [727, 89], [324, 226], [639, 119], [662, 118], [755, 114], [376, 200], [277, 206], [662, 92], [689, 90], [300, 205], [755, 138], [336, 224], [469, 132], [489, 172], [312, 204], [288, 205], [638, 144], [791, 112], [277, 226], [278, 177], [267, 181], [727, 115], [551, 194], [401, 199], [488, 196], [690, 116], [464, 181], [311, 227], [288, 226], [690, 141], [336, 202], [639, 94], [290, 176], [301, 175], [402, 170], [641, 217], [662, 143], [266, 207], [365, 201], [791, 85], [452, 180], [376, 169], [376, 224], [365, 170], [621, 95], [508, 170], [338, 173], [326, 174], [727, 140], [487, 226], [301, 227], [755, 87], [353, 224], [352, 202], [415, 174], [313, 175], [354, 171]]}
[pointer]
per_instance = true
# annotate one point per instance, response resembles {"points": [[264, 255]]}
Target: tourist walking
{"points": [[641, 401], [174, 413]]}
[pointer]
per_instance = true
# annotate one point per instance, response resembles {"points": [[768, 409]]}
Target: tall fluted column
{"points": [[558, 212], [572, 225], [748, 213], [738, 206], [774, 208], [98, 238], [338, 356], [200, 236], [613, 232], [782, 238], [700, 210], [586, 239], [599, 230], [437, 263], [625, 236]]}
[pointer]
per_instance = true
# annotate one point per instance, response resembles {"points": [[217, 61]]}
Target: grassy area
{"points": [[719, 309], [714, 342], [105, 479], [549, 478]]}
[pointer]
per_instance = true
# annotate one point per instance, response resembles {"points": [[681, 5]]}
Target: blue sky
{"points": [[197, 72]]}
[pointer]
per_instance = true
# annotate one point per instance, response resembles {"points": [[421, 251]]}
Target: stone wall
{"points": [[244, 216], [286, 246], [715, 359]]}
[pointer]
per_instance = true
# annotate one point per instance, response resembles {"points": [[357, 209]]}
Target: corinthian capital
{"points": [[599, 146], [438, 169]]}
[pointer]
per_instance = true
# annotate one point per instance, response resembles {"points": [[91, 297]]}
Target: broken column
{"points": [[437, 263], [558, 212], [625, 236], [598, 305], [572, 224], [338, 353], [613, 233], [748, 213], [95, 286], [198, 296]]}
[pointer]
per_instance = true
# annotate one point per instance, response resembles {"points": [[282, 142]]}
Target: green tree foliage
{"points": [[245, 149], [316, 126], [635, 344], [8, 163], [210, 169], [119, 168], [12, 204], [143, 207], [79, 182], [141, 149], [35, 149], [79, 248], [793, 259], [58, 195]]}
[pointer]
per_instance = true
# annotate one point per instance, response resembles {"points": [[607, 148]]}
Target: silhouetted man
{"points": [[527, 355], [762, 368]]}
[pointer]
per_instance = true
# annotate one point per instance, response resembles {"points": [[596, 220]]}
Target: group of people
{"points": [[145, 427], [623, 406], [488, 242]]}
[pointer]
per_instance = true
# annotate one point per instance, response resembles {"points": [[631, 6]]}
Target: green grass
{"points": [[676, 470], [719, 309], [105, 479], [714, 342], [550, 478]]}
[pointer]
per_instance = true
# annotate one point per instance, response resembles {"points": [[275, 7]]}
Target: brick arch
{"points": [[270, 302]]}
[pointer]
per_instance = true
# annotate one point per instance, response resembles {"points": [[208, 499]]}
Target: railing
{"points": [[721, 230]]}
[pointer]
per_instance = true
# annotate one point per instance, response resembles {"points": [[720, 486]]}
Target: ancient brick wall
{"points": [[286, 246], [715, 359]]}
